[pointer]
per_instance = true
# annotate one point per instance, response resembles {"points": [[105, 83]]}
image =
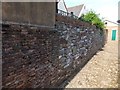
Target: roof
{"points": [[76, 9], [111, 22]]}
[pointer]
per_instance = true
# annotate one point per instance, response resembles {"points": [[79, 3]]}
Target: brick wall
{"points": [[45, 57]]}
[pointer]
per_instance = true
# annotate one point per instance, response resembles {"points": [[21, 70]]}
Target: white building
{"points": [[112, 30], [62, 5], [78, 10]]}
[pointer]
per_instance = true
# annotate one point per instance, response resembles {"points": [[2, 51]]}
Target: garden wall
{"points": [[38, 57]]}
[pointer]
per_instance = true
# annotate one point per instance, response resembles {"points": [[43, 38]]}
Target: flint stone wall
{"points": [[81, 41], [35, 57]]}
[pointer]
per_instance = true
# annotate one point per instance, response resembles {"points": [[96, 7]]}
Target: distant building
{"points": [[112, 30], [77, 10], [62, 6]]}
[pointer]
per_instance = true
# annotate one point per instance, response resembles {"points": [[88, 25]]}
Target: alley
{"points": [[101, 71]]}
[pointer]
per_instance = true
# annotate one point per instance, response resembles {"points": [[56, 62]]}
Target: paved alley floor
{"points": [[101, 71]]}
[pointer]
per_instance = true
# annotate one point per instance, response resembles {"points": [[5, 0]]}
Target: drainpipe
{"points": [[118, 40], [106, 33]]}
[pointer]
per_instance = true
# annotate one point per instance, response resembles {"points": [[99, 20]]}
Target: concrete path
{"points": [[101, 71]]}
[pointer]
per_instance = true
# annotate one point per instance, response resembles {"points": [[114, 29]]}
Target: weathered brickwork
{"points": [[29, 56], [43, 57]]}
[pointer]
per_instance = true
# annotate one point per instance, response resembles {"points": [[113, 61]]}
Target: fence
{"points": [[63, 13]]}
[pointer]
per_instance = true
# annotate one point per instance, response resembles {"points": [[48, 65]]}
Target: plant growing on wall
{"points": [[94, 19]]}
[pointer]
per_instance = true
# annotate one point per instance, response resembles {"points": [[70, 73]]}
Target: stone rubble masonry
{"points": [[35, 57]]}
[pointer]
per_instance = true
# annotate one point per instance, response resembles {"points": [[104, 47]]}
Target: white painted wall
{"points": [[61, 5], [111, 26]]}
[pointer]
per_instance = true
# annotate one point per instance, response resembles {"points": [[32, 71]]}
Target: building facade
{"points": [[111, 30], [39, 13]]}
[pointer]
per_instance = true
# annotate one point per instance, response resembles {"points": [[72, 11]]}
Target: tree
{"points": [[93, 18]]}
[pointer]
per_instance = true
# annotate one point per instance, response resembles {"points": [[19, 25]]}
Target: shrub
{"points": [[93, 18]]}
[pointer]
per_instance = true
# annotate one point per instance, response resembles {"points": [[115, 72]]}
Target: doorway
{"points": [[113, 35]]}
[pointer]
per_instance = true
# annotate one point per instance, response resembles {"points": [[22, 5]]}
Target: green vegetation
{"points": [[93, 18]]}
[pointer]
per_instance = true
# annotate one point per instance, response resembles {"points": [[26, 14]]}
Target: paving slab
{"points": [[101, 71]]}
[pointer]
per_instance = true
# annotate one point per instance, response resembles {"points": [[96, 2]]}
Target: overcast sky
{"points": [[106, 8]]}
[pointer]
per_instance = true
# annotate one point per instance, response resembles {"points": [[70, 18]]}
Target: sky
{"points": [[107, 9]]}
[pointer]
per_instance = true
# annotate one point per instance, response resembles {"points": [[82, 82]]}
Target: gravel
{"points": [[101, 71]]}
